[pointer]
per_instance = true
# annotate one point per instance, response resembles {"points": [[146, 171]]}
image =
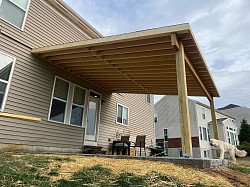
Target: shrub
{"points": [[245, 146]]}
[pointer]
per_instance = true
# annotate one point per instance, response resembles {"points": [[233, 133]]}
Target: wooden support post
{"points": [[214, 121], [183, 103]]}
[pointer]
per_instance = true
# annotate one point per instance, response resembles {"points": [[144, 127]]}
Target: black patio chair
{"points": [[141, 143]]}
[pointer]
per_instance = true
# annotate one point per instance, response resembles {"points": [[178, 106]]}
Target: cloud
{"points": [[221, 28]]}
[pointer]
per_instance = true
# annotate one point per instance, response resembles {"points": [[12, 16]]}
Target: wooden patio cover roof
{"points": [[142, 62]]}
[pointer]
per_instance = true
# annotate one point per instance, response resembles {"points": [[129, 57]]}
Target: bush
{"points": [[245, 146]]}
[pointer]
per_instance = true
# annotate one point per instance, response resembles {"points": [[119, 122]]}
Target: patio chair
{"points": [[123, 144], [140, 142]]}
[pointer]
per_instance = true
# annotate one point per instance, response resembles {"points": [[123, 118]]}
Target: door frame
{"points": [[94, 141]]}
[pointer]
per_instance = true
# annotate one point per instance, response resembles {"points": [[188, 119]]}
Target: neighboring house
{"points": [[46, 108], [238, 112], [167, 127]]}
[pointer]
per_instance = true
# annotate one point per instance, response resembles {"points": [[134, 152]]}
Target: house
{"points": [[167, 125], [238, 112], [65, 86], [58, 105]]}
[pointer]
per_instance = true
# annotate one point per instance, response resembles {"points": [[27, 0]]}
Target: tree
{"points": [[244, 135]]}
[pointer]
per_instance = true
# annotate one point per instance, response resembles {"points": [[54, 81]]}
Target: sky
{"points": [[221, 28]]}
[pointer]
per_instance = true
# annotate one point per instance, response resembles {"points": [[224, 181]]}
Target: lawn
{"points": [[23, 169], [243, 165]]}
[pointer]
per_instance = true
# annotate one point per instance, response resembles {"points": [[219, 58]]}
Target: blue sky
{"points": [[222, 29]]}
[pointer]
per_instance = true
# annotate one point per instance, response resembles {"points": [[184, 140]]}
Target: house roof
{"points": [[142, 62], [228, 107], [220, 120]]}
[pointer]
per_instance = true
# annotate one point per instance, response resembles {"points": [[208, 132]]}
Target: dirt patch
{"points": [[234, 177]]}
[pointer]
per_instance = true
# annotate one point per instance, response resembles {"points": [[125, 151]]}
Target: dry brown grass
{"points": [[186, 175]]}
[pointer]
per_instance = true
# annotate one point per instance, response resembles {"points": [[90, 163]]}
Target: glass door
{"points": [[92, 119]]}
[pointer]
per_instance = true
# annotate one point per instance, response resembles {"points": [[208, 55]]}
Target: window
{"points": [[232, 138], [14, 11], [122, 114], [59, 101], [203, 113], [235, 138], [165, 135], [204, 133], [148, 98], [206, 153], [65, 108], [200, 133], [6, 69], [180, 153], [77, 108], [156, 117], [228, 136], [208, 134]]}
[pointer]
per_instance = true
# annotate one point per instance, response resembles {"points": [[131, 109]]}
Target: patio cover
{"points": [[142, 62]]}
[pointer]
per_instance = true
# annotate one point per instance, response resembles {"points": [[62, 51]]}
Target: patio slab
{"points": [[195, 162]]}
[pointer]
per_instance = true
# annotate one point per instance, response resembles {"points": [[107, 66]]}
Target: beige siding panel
{"points": [[140, 118], [32, 81], [44, 134], [43, 27], [30, 95], [44, 126], [33, 135]]}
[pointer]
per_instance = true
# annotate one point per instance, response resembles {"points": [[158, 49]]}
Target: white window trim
{"points": [[205, 137], [10, 78], [203, 113], [208, 134], [25, 16], [52, 96], [229, 131], [207, 153], [68, 116], [201, 133], [122, 114], [72, 103]]}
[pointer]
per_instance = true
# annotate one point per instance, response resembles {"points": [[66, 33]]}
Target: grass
{"points": [[66, 171], [243, 165]]}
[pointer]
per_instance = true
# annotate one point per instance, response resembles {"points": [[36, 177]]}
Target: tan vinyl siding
{"points": [[30, 95], [43, 27], [140, 118], [32, 81]]}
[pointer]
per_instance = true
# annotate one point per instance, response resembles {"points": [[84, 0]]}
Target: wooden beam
{"points": [[183, 103], [94, 60], [2, 114], [139, 55], [174, 42], [193, 71], [214, 121], [152, 47], [134, 38]]}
